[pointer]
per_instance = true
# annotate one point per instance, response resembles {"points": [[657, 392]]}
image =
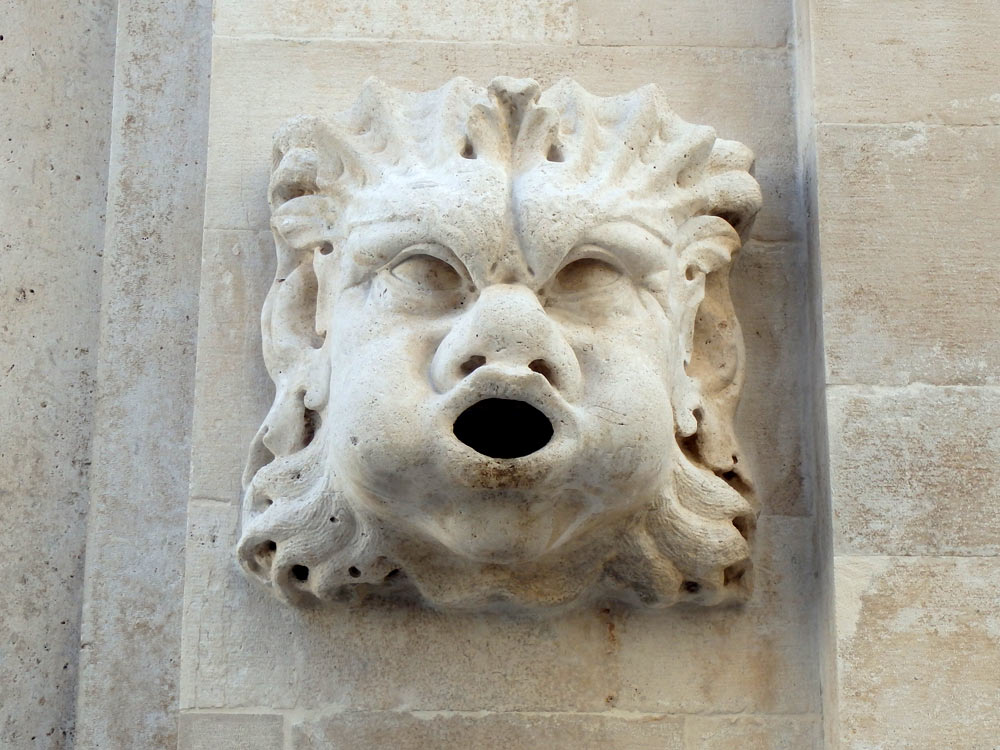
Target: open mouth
{"points": [[503, 428]]}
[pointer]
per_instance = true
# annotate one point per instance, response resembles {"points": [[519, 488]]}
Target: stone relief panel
{"points": [[504, 353]]}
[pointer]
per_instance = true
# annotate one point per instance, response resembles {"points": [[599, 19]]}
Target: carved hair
{"points": [[309, 540]]}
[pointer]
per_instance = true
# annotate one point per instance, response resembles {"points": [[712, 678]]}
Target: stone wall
{"points": [[907, 142], [55, 89], [871, 409], [381, 674]]}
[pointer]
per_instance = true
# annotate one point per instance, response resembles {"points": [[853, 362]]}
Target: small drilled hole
{"points": [[692, 587], [311, 420], [270, 545], [473, 363], [734, 573], [689, 273], [468, 152], [333, 519], [555, 154], [353, 572], [392, 574], [325, 249], [300, 573], [743, 525], [542, 368], [730, 218]]}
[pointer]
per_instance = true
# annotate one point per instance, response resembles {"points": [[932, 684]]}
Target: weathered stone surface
{"points": [[919, 652], [745, 94], [236, 270], [909, 295], [218, 731], [915, 471], [393, 657], [731, 23], [487, 730], [752, 733], [549, 21], [139, 479], [769, 288], [911, 60], [55, 89]]}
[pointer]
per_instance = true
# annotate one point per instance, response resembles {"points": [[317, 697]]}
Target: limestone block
{"points": [[55, 112], [396, 657], [769, 289], [757, 660], [914, 471], [730, 23], [909, 60], [744, 94], [918, 652], [550, 21], [909, 295], [753, 733], [236, 269], [217, 731], [131, 631], [486, 730]]}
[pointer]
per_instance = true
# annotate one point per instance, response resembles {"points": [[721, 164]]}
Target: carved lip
{"points": [[511, 384]]}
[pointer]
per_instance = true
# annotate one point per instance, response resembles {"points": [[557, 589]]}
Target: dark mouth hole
{"points": [[502, 428]]}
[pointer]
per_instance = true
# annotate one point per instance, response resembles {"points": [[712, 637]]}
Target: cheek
{"points": [[379, 389], [629, 349], [373, 345]]}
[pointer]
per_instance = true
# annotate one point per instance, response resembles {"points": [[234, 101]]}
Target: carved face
{"points": [[485, 349], [500, 370]]}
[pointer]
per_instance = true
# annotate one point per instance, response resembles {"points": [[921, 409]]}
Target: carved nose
{"points": [[507, 326]]}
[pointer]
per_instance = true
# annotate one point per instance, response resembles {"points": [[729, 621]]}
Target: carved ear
{"points": [[713, 352], [293, 321]]}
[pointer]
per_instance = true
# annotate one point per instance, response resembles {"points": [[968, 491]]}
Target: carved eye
{"points": [[427, 273], [585, 275]]}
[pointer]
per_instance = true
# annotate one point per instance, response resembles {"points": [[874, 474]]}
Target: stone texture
{"points": [[911, 60], [769, 288], [918, 652], [915, 471], [745, 94], [683, 23], [752, 733], [487, 731], [391, 657], [139, 480], [55, 85], [469, 20], [236, 270], [217, 731], [908, 294]]}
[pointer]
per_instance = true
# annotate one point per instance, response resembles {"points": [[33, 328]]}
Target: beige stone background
{"points": [[868, 297]]}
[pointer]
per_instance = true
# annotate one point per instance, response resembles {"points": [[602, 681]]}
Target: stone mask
{"points": [[505, 356]]}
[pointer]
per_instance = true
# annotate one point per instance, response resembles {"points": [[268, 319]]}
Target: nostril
{"points": [[542, 368], [473, 363]]}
